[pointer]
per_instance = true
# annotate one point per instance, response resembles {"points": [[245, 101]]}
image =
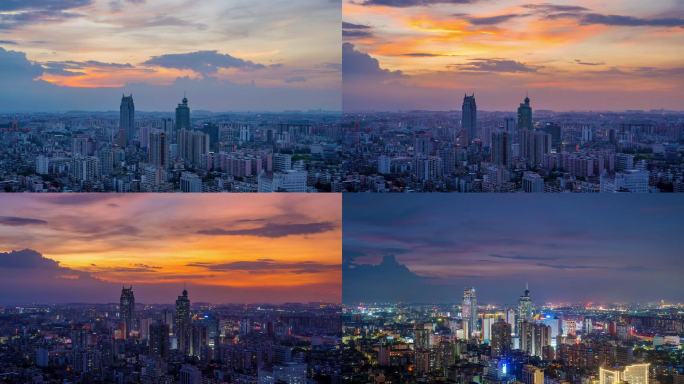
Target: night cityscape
{"points": [[132, 342], [522, 289]]}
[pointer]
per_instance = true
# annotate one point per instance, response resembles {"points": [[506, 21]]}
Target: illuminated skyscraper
{"points": [[469, 312], [421, 334], [524, 309], [127, 309], [501, 338], [532, 374], [127, 118], [632, 374], [183, 325], [525, 115], [469, 117], [183, 115]]}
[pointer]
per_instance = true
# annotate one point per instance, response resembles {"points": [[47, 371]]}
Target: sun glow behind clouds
{"points": [[237, 241], [583, 45]]}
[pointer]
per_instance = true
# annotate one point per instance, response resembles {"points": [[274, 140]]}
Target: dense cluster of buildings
{"points": [[477, 151], [491, 344], [187, 343], [154, 152]]}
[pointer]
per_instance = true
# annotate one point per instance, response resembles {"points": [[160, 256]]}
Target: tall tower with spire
{"points": [[469, 312], [183, 325], [524, 309], [183, 115], [525, 115]]}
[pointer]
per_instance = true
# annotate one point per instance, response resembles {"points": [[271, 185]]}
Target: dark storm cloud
{"points": [[26, 259], [357, 64], [204, 62], [274, 230], [414, 3], [361, 283], [269, 266], [16, 66], [8, 42], [20, 221], [599, 249], [494, 65]]}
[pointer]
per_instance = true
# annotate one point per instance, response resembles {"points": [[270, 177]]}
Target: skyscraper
{"points": [[524, 309], [127, 309], [127, 118], [157, 151], [525, 115], [159, 339], [192, 145], [183, 326], [501, 338], [501, 148], [183, 115], [469, 312], [469, 117]]}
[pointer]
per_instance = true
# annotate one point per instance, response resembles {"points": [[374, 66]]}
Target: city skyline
{"points": [[427, 248], [234, 56], [224, 249], [570, 56]]}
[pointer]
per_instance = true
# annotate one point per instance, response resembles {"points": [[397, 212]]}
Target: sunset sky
{"points": [[570, 249], [227, 55], [569, 55], [225, 248]]}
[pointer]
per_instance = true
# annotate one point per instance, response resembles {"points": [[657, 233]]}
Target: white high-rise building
{"points": [[289, 181]]}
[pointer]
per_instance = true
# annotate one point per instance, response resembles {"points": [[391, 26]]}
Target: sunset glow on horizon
{"points": [[237, 242], [72, 47], [582, 55]]}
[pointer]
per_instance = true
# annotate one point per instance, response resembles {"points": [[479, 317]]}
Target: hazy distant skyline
{"points": [[572, 249], [225, 248], [569, 55], [232, 55]]}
